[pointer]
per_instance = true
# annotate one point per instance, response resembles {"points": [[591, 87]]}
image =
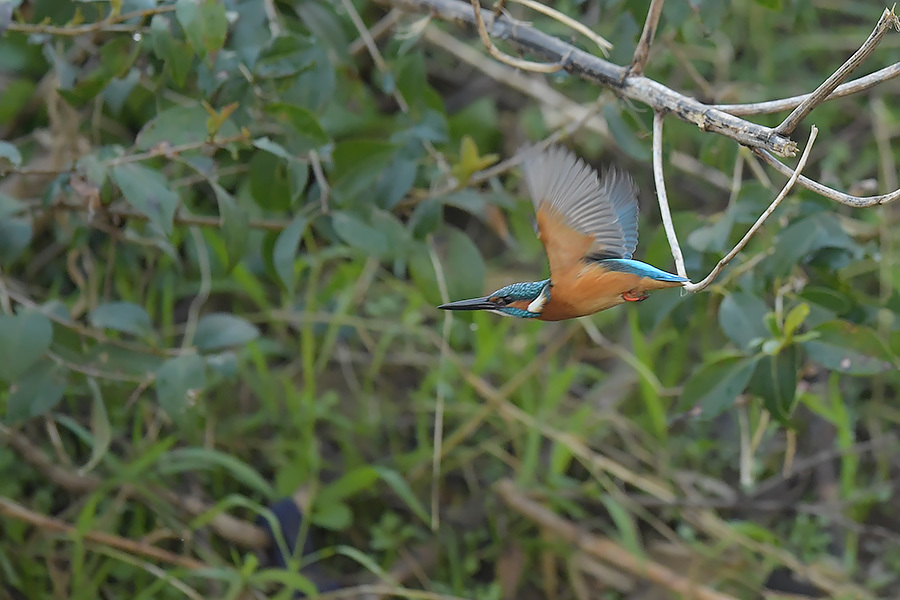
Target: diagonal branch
{"points": [[824, 190], [845, 89], [525, 65], [667, 217], [887, 21], [642, 52], [561, 55]]}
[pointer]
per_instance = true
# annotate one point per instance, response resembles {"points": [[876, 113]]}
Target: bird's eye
{"points": [[501, 300]]}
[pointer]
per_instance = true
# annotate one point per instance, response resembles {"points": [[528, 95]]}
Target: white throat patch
{"points": [[537, 305]]}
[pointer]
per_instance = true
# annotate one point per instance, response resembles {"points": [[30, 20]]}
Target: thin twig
{"points": [[602, 547], [845, 89], [560, 107], [587, 66], [16, 511], [824, 190], [519, 63], [660, 181], [604, 45], [887, 21], [696, 287], [642, 52], [107, 25]]}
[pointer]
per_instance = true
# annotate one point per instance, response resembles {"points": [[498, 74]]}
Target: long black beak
{"points": [[472, 304]]}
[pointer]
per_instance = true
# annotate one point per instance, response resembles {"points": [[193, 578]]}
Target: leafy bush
{"points": [[225, 224]]}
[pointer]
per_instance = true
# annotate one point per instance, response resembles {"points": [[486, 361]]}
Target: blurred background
{"points": [[225, 225]]}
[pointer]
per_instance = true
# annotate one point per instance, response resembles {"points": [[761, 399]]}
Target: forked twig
{"points": [[587, 66], [667, 216], [494, 51], [887, 21], [845, 89], [602, 43], [642, 51]]}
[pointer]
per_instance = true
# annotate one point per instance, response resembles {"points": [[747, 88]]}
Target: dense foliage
{"points": [[225, 224]]}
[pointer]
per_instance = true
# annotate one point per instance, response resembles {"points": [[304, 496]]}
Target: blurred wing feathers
{"points": [[565, 189]]}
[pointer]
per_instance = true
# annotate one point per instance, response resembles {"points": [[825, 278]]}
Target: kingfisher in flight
{"points": [[589, 228]]}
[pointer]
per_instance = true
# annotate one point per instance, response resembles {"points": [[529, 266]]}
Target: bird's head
{"points": [[523, 300]]}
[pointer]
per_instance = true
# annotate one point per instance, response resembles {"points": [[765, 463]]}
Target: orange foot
{"points": [[631, 297]]}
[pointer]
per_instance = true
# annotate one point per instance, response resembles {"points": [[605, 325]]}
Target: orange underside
{"points": [[591, 289], [581, 288]]}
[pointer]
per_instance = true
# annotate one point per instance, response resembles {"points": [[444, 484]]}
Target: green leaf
{"points": [[180, 125], [623, 134], [220, 330], [461, 262], [284, 253], [235, 225], [37, 392], [470, 161], [349, 484], [335, 516], [741, 317], [303, 122], [396, 482], [205, 25], [115, 59], [100, 427], [794, 319], [775, 381], [714, 386], [24, 338], [359, 164], [15, 236], [285, 56], [146, 190], [175, 54], [360, 235], [122, 316], [771, 4], [10, 154], [264, 143], [183, 460], [269, 182], [849, 348], [625, 524], [179, 381]]}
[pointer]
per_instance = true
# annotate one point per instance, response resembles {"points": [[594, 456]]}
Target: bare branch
{"points": [[525, 65], [587, 66], [824, 190], [568, 21], [660, 181], [845, 89], [642, 52], [558, 108], [667, 218], [887, 21], [696, 287]]}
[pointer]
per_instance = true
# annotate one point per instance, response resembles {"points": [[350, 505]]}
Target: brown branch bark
{"points": [[887, 21], [642, 52], [16, 511], [587, 66]]}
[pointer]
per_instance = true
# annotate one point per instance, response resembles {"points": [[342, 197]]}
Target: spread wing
{"points": [[578, 213]]}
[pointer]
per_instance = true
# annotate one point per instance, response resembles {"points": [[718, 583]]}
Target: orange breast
{"points": [[590, 288]]}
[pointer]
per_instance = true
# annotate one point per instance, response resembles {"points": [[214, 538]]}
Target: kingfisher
{"points": [[589, 228]]}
